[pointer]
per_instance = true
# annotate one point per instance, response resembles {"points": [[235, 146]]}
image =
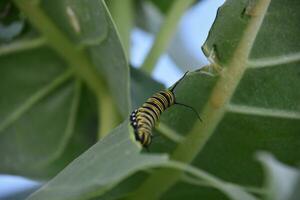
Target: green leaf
{"points": [[95, 175], [31, 143], [247, 107], [89, 25], [296, 193], [248, 104], [97, 172], [47, 114], [275, 42], [100, 168]]}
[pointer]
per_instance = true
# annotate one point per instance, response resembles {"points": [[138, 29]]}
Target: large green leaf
{"points": [[251, 107], [33, 133], [92, 165], [100, 168], [296, 193], [246, 107], [276, 40], [47, 114], [110, 161], [88, 24], [264, 112]]}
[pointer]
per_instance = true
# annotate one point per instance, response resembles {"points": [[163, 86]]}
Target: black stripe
{"points": [[148, 114], [142, 137], [149, 108], [145, 123], [148, 128], [161, 101], [167, 97], [155, 105]]}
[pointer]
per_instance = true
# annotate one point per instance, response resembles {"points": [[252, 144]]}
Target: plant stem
{"points": [[213, 111], [169, 133], [107, 117], [165, 33], [21, 45], [76, 58], [203, 183], [209, 180]]}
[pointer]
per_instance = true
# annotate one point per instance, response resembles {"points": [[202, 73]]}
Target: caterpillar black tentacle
{"points": [[190, 107], [144, 118]]}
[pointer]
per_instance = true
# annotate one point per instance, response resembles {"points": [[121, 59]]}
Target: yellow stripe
{"points": [[145, 116], [163, 99], [171, 97], [146, 134], [142, 120], [149, 107], [142, 109], [156, 102]]}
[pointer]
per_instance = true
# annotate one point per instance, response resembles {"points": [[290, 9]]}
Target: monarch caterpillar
{"points": [[144, 118]]}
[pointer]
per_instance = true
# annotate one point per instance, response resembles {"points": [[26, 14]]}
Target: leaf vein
{"points": [[274, 61], [259, 111], [32, 100], [22, 45]]}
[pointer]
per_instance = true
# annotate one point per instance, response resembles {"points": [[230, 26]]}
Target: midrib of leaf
{"points": [[165, 33], [106, 111], [213, 111], [203, 183], [266, 112], [72, 54], [274, 61], [75, 57], [209, 180], [169, 133], [21, 46], [69, 128], [34, 99]]}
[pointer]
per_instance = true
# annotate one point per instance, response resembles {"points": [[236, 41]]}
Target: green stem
{"points": [[21, 45], [227, 188], [213, 111], [76, 58], [169, 133], [165, 33], [203, 183], [107, 116]]}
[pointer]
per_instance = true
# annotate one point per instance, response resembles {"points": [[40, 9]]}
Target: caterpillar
{"points": [[145, 117]]}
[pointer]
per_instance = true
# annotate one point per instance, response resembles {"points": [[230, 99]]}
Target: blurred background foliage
{"points": [[71, 72]]}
